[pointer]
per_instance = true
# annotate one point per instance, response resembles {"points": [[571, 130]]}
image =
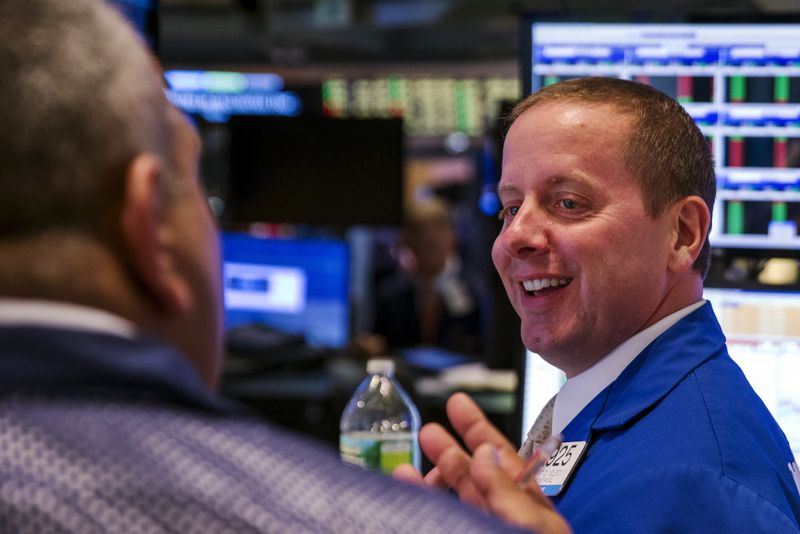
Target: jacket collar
{"points": [[82, 363], [660, 367]]}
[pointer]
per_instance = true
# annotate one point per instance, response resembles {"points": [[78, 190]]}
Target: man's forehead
{"points": [[578, 110], [572, 177]]}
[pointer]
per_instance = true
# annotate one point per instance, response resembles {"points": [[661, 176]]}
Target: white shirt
{"points": [[49, 313], [579, 390]]}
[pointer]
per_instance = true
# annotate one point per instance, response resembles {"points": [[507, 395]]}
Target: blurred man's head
{"points": [[99, 199], [429, 234]]}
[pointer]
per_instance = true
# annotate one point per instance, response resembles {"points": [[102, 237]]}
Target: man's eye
{"points": [[507, 211], [568, 203]]}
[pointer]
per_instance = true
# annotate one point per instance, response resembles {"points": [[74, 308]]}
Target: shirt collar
{"points": [[81, 364], [54, 314], [579, 390]]}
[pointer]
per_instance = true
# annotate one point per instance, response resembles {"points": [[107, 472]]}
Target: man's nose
{"points": [[527, 232]]}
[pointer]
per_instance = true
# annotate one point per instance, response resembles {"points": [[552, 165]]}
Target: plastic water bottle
{"points": [[380, 424]]}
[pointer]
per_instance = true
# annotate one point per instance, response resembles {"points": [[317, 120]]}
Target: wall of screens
{"points": [[429, 105]]}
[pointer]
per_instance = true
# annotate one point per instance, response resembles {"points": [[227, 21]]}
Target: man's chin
{"points": [[540, 341], [544, 350], [555, 350]]}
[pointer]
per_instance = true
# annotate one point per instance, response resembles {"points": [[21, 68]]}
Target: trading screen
{"points": [[298, 286], [429, 105]]}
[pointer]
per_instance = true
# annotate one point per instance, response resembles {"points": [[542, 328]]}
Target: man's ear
{"points": [[148, 237], [690, 219]]}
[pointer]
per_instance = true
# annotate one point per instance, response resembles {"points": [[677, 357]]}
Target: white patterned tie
{"points": [[540, 431]]}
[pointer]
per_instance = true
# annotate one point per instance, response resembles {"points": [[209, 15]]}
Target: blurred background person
{"points": [[430, 300]]}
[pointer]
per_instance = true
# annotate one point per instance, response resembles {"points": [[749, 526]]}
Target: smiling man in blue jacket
{"points": [[607, 189]]}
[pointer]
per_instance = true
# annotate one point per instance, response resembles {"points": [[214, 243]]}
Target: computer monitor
{"points": [[316, 171], [215, 96], [762, 328], [298, 286], [741, 84]]}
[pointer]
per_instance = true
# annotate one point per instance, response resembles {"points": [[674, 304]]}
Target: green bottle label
{"points": [[378, 453]]}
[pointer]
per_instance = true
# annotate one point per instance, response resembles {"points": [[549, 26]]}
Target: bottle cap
{"points": [[381, 366]]}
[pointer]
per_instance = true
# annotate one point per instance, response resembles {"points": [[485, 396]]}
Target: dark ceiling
{"points": [[298, 33]]}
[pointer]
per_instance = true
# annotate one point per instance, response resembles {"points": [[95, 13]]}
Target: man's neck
{"points": [[28, 272]]}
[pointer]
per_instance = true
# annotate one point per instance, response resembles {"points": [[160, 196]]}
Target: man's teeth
{"points": [[542, 283]]}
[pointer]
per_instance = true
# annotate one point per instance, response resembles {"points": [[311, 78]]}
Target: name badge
{"points": [[555, 473]]}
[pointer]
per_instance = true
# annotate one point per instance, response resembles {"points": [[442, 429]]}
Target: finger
{"points": [[472, 425], [407, 473], [454, 468], [434, 440], [451, 460], [524, 507]]}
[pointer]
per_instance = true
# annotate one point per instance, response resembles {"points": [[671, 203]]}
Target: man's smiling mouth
{"points": [[537, 286]]}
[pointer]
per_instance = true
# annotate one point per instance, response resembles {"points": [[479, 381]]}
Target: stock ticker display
{"points": [[428, 105]]}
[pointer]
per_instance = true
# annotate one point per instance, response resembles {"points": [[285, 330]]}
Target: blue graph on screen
{"points": [[300, 286]]}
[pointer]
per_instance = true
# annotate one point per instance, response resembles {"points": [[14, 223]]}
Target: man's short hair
{"points": [[79, 98], [666, 150]]}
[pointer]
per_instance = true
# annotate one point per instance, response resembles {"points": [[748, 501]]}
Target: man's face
{"points": [[574, 220], [197, 254]]}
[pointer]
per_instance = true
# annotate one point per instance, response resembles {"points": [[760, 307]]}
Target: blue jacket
{"points": [[680, 442]]}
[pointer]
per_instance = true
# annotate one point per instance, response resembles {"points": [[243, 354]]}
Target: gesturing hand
{"points": [[487, 479]]}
